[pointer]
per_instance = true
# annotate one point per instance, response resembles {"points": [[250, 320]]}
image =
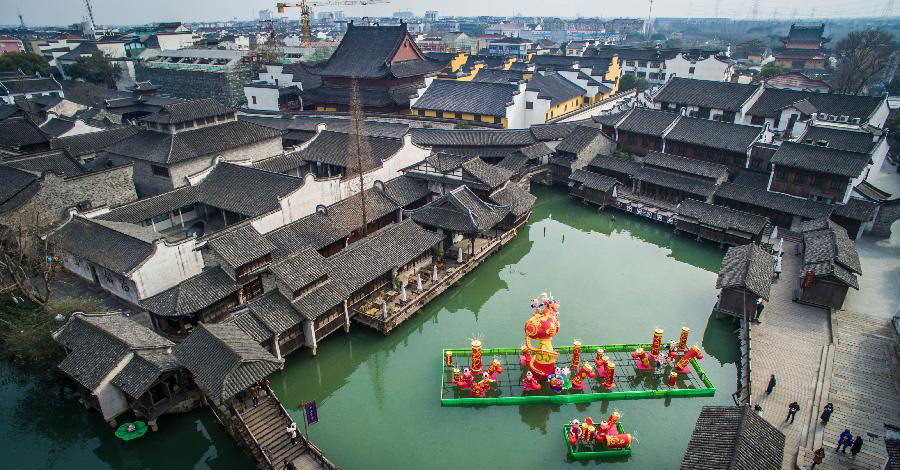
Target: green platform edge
{"points": [[601, 454], [709, 391]]}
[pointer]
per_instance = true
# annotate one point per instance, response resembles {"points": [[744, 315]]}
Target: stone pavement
{"points": [[864, 386], [790, 343]]}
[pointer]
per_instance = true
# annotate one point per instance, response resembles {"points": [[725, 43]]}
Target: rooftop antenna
{"points": [[649, 15], [888, 9]]}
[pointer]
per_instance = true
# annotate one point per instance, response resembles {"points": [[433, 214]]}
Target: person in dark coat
{"points": [[856, 447], [793, 408], [759, 310], [771, 385], [826, 413], [818, 457], [844, 440]]}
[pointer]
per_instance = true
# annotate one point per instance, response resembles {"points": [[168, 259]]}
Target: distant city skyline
{"points": [[65, 12]]}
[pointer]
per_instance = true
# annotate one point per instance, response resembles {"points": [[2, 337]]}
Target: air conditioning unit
{"points": [[856, 120], [832, 118], [814, 115], [845, 118]]}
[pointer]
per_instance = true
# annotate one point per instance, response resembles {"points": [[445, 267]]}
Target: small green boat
{"points": [[595, 454]]}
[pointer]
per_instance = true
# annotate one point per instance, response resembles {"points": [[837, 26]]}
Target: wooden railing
{"points": [[313, 449], [252, 442]]}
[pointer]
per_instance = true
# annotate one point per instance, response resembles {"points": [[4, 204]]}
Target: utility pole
{"points": [[754, 13], [888, 9], [716, 14], [649, 24]]}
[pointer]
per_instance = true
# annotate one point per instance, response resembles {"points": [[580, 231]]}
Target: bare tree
{"points": [[27, 266], [861, 57], [359, 151]]}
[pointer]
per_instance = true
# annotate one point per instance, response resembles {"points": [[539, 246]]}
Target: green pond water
{"points": [[616, 277]]}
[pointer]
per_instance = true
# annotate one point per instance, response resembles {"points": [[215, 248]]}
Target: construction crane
{"points": [[87, 3], [305, 10]]}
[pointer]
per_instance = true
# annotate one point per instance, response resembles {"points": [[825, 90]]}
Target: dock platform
{"points": [[630, 382]]}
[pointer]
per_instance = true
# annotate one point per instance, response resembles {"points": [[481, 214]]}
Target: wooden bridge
{"points": [[263, 429]]}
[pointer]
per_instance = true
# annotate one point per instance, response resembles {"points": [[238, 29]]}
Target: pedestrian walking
{"points": [[757, 409], [793, 408], [818, 457], [826, 413], [254, 394], [759, 309], [844, 440], [288, 465], [292, 432], [856, 447], [771, 385]]}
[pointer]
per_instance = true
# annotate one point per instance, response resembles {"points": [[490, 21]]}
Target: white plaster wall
{"points": [[515, 114], [80, 128], [706, 69], [166, 267], [266, 98], [538, 111], [112, 401], [879, 154], [175, 41], [114, 49], [408, 155], [880, 116]]}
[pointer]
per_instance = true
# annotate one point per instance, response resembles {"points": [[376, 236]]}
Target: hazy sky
{"points": [[42, 12]]}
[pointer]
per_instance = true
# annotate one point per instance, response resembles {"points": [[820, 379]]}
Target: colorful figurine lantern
{"points": [[682, 365], [529, 383], [613, 419], [657, 342], [495, 369], [610, 374], [576, 354], [641, 359], [448, 358], [672, 378], [682, 342], [480, 388], [476, 356], [618, 441], [542, 326], [582, 375]]}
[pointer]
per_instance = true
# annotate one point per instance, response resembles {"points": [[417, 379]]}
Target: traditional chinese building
{"points": [[385, 62], [804, 49], [745, 276]]}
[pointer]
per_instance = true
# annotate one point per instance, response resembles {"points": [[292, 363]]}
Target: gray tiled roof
{"points": [[705, 93], [648, 121], [853, 141], [535, 151], [472, 137], [753, 179], [831, 252], [519, 200], [580, 138], [55, 127], [82, 144], [483, 152], [692, 166], [300, 268], [117, 246], [497, 76], [747, 266], [733, 438], [13, 182], [237, 188], [183, 111], [365, 52], [275, 312], [554, 87], [773, 100], [143, 370], [224, 360], [29, 84], [20, 132], [456, 96], [856, 209], [557, 131], [721, 217], [460, 210], [333, 148], [594, 181], [192, 294], [612, 119], [281, 163], [777, 201], [240, 245], [55, 161], [714, 134], [675, 181], [491, 176], [821, 159], [620, 165], [99, 342], [160, 147]]}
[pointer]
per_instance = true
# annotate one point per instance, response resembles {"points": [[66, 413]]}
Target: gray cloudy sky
{"points": [[41, 12]]}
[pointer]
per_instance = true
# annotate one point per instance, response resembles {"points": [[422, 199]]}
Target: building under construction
{"points": [[199, 73]]}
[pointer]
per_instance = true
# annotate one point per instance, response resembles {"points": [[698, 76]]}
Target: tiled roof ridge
{"points": [[82, 317], [111, 226]]}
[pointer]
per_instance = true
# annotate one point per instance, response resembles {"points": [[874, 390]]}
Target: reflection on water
{"points": [[617, 277]]}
